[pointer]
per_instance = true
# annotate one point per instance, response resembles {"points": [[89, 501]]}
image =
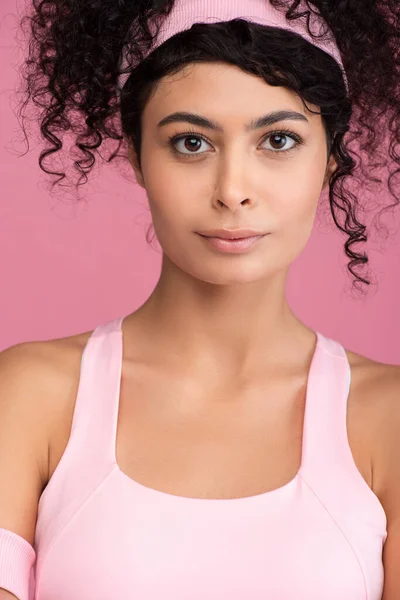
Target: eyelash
{"points": [[191, 133]]}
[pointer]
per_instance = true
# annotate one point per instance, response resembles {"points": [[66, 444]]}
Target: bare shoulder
{"points": [[376, 396], [35, 384], [40, 379], [46, 364], [378, 390], [378, 382]]}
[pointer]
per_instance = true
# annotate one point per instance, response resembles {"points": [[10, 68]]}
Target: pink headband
{"points": [[187, 12]]}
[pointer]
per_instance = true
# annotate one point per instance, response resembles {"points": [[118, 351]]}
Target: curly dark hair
{"points": [[73, 67]]}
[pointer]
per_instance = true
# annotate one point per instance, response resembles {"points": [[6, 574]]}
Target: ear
{"points": [[330, 169], [133, 159]]}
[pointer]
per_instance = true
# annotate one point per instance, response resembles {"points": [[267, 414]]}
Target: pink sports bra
{"points": [[103, 536]]}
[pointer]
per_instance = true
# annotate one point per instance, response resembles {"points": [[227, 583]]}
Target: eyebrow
{"points": [[263, 121]]}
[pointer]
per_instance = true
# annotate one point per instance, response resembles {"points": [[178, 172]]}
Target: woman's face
{"points": [[233, 175]]}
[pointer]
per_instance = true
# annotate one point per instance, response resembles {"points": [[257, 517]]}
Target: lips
{"points": [[233, 246], [231, 234]]}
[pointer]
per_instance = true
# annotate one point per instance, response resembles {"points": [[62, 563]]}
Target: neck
{"points": [[230, 329]]}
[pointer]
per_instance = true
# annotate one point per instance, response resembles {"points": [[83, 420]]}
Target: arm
{"points": [[23, 452], [388, 467], [391, 554], [7, 595]]}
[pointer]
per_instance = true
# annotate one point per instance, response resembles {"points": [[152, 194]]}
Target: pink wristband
{"points": [[17, 557]]}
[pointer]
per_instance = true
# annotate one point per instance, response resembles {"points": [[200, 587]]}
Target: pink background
{"points": [[66, 267]]}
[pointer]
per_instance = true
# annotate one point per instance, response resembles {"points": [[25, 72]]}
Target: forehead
{"points": [[222, 90]]}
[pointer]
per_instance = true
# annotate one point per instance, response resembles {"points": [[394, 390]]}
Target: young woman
{"points": [[209, 444]]}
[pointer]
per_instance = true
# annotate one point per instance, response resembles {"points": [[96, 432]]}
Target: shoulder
{"points": [[47, 354], [378, 383], [380, 393], [44, 365], [36, 379], [376, 388], [37, 384]]}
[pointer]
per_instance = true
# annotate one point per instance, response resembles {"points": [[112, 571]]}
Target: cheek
{"points": [[295, 213], [176, 195], [172, 207]]}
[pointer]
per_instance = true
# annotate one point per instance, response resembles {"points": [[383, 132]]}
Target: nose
{"points": [[233, 187]]}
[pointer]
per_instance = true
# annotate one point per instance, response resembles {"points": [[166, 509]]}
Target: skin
{"points": [[229, 310]]}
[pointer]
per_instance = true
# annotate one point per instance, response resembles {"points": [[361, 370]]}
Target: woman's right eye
{"points": [[189, 144]]}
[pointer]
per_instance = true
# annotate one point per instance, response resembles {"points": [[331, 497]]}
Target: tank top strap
{"points": [[97, 402], [324, 431], [328, 465]]}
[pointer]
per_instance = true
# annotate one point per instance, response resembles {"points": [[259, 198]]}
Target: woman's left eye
{"points": [[280, 137], [192, 142]]}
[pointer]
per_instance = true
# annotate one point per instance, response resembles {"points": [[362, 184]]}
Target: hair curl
{"points": [[73, 66]]}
